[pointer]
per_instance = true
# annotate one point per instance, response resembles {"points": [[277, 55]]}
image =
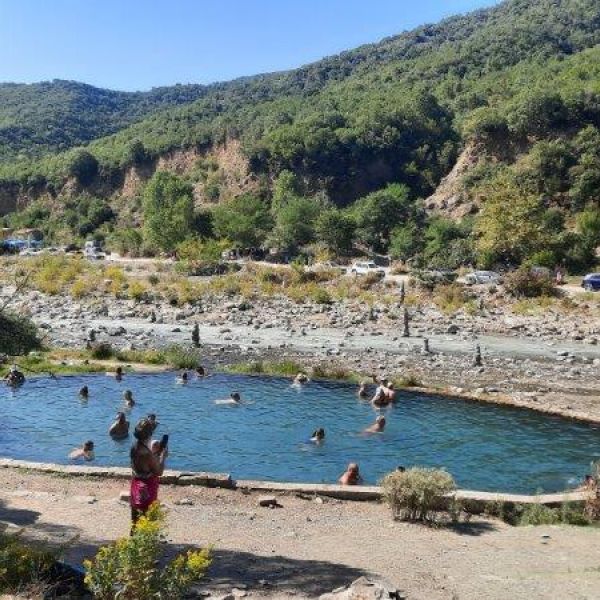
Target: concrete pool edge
{"points": [[475, 501]]}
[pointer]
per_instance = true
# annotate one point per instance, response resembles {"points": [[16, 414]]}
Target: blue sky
{"points": [[139, 44]]}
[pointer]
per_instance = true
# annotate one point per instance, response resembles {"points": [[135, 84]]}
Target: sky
{"points": [[140, 44]]}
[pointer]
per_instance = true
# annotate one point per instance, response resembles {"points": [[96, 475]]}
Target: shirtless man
{"points": [[377, 427], [351, 476]]}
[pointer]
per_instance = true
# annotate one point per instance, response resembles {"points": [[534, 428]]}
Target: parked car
{"points": [[482, 277], [591, 282], [366, 268]]}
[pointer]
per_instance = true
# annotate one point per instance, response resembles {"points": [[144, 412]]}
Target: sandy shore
{"points": [[310, 547]]}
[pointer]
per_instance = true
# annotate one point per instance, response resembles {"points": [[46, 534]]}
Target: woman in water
{"points": [[318, 436], [146, 467], [86, 452], [120, 428], [14, 377], [301, 379], [84, 392], [362, 390], [183, 377], [128, 398]]}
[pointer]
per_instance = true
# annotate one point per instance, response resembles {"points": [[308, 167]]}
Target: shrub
{"points": [[450, 297], [130, 568], [321, 296], [568, 513], [524, 283], [102, 351], [182, 358], [137, 291], [417, 493], [18, 335], [153, 279]]}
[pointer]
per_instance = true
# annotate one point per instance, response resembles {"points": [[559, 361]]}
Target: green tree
{"points": [[335, 229], [405, 241], [588, 225], [379, 213], [83, 166], [295, 223], [285, 188], [511, 226], [245, 220], [168, 211]]}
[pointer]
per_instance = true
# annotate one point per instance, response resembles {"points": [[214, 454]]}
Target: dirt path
{"points": [[307, 547]]}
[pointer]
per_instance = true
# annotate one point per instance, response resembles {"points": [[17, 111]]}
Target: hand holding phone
{"points": [[164, 442]]}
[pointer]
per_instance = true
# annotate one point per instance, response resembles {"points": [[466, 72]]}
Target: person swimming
{"points": [[119, 373], [14, 377], [84, 392], [234, 399], [201, 371], [183, 377], [377, 427], [86, 452], [151, 418], [318, 436], [128, 398], [120, 428], [351, 475], [362, 390], [301, 379]]}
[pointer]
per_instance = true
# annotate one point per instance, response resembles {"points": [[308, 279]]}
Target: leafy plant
{"points": [[417, 494], [130, 568]]}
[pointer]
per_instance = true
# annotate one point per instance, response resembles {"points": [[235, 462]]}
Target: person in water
{"points": [[318, 436], [362, 390], [183, 377], [301, 379], [234, 399], [120, 428], [146, 468], [84, 392], [14, 377], [377, 427], [152, 420], [119, 373], [86, 452], [128, 397], [351, 476]]}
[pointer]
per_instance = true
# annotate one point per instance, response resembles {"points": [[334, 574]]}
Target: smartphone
{"points": [[164, 441]]}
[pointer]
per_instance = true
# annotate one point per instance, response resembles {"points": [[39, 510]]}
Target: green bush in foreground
{"points": [[130, 569], [22, 566], [568, 514], [417, 493]]}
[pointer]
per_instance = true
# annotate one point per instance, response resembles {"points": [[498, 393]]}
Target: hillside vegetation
{"points": [[342, 152]]}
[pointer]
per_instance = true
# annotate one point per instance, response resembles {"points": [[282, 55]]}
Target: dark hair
{"points": [[89, 445], [235, 395], [143, 430]]}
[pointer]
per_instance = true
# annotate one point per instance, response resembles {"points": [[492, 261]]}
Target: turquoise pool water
{"points": [[484, 447]]}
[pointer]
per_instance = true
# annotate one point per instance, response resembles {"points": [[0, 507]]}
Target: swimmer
{"points": [[391, 392], [120, 428], [351, 476], [183, 378], [84, 392], [14, 377], [318, 436], [301, 379], [377, 427], [589, 483], [234, 399], [128, 397], [201, 371], [151, 418], [119, 373], [362, 390], [86, 452]]}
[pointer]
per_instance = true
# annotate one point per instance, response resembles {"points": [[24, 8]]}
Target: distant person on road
{"points": [[146, 469], [351, 476], [86, 452], [120, 428], [318, 436], [128, 398], [377, 427]]}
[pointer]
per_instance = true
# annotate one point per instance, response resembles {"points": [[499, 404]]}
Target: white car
{"points": [[482, 277], [366, 268]]}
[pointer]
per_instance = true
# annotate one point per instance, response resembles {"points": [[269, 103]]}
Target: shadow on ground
{"points": [[473, 529], [278, 573]]}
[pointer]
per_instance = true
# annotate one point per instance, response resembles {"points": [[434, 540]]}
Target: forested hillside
{"points": [[356, 142], [56, 115]]}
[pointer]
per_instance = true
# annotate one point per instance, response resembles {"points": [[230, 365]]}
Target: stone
{"points": [[453, 329], [268, 501], [184, 502]]}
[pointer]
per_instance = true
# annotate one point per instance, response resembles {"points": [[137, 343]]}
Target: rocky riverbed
{"points": [[548, 361]]}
